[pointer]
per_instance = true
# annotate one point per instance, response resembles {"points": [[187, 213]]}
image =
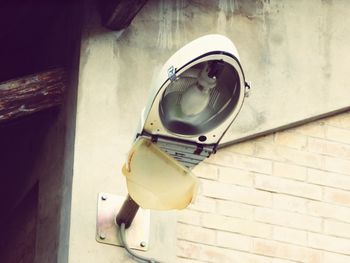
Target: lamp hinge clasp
{"points": [[172, 73]]}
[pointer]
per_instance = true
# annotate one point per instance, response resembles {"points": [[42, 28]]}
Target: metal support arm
{"points": [[127, 212]]}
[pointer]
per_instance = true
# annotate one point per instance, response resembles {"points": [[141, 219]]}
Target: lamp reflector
{"points": [[200, 99]]}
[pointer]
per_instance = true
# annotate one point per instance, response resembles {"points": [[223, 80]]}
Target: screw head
{"points": [[143, 244], [104, 197], [102, 236]]}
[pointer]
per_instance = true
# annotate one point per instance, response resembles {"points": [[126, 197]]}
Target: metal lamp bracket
{"points": [[107, 230]]}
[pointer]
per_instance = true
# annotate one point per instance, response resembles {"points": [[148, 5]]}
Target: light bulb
{"points": [[196, 98]]}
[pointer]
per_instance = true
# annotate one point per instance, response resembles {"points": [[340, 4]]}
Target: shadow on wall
{"points": [[21, 145], [21, 227]]}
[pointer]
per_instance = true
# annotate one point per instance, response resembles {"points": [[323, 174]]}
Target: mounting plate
{"points": [[107, 231]]}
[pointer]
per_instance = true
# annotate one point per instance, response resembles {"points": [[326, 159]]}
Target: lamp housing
{"points": [[197, 94]]}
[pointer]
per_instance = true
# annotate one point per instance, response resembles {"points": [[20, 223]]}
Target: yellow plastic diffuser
{"points": [[157, 181]]}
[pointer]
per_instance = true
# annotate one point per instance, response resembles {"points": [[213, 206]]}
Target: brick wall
{"points": [[282, 198]]}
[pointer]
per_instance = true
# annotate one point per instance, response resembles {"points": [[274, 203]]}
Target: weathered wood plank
{"points": [[118, 14], [33, 93]]}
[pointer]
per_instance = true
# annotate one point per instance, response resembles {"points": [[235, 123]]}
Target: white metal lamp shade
{"points": [[198, 94]]}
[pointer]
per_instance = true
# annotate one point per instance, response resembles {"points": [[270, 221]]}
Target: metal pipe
{"points": [[127, 212]]}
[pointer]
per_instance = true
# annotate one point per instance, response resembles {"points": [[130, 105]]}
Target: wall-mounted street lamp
{"points": [[196, 97]]}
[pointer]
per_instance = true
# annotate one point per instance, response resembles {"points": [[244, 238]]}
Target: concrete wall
{"points": [[280, 198], [297, 63]]}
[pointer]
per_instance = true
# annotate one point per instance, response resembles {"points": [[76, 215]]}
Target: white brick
{"points": [[286, 251], [288, 219], [234, 209], [226, 158], [289, 203], [236, 176], [326, 210], [313, 129], [203, 204], [189, 217], [187, 249], [291, 139], [321, 209], [337, 165], [215, 254], [289, 235], [335, 149], [185, 260], [329, 257], [337, 196], [329, 179], [289, 178], [223, 255], [316, 145], [236, 193], [301, 158], [196, 234], [335, 228], [282, 185], [340, 120], [205, 170], [247, 148], [334, 244], [289, 171], [236, 225], [234, 241], [338, 134], [268, 151], [279, 260]]}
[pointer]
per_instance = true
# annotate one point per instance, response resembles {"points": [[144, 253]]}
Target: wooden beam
{"points": [[33, 93], [118, 14]]}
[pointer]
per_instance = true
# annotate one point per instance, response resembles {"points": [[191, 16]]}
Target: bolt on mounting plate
{"points": [[107, 231]]}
